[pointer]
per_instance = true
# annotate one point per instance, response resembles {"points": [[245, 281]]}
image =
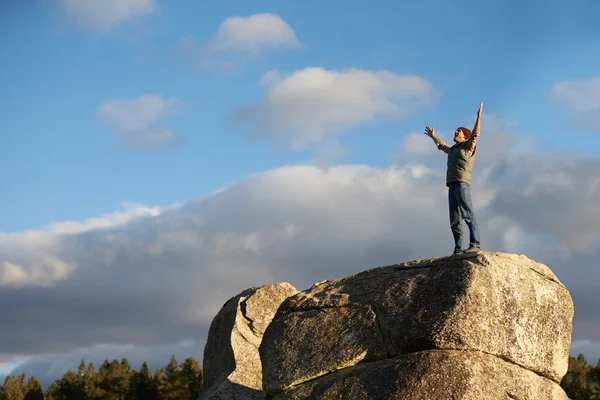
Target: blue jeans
{"points": [[461, 209]]}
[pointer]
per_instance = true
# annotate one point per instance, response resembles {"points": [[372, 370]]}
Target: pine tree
{"points": [[70, 386], [176, 386], [125, 367], [119, 380], [53, 392], [90, 390], [33, 390], [111, 381], [142, 384], [194, 376], [101, 380], [14, 388], [159, 381]]}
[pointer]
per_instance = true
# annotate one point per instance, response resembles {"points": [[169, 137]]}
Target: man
{"points": [[461, 158]]}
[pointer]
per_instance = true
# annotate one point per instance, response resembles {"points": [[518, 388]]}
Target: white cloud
{"points": [[168, 271], [253, 34], [135, 114], [135, 121], [238, 38], [315, 104], [33, 258], [581, 98], [129, 212], [43, 273], [101, 15]]}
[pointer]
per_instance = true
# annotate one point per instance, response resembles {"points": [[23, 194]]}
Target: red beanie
{"points": [[466, 131]]}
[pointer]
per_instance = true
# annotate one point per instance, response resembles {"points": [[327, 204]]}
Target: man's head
{"points": [[461, 134]]}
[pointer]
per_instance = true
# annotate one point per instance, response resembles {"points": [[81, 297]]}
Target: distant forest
{"points": [[117, 381], [112, 381]]}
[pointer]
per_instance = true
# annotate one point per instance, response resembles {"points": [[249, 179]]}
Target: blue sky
{"points": [[63, 164], [197, 135]]}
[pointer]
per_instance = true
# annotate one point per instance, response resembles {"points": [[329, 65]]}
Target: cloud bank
{"points": [[144, 282]]}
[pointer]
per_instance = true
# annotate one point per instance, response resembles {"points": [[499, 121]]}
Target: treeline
{"points": [[582, 381], [117, 381], [112, 381]]}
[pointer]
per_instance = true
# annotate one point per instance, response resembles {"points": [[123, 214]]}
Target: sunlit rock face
{"points": [[471, 326]]}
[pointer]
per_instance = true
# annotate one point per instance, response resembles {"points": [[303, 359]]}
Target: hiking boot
{"points": [[473, 249], [457, 252]]}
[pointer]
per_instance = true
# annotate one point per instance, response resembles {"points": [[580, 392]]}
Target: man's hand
{"points": [[480, 109], [429, 131]]}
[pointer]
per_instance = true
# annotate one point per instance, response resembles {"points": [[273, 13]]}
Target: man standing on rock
{"points": [[461, 157]]}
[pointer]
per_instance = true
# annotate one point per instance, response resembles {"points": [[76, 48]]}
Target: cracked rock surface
{"points": [[445, 325], [431, 375], [232, 367]]}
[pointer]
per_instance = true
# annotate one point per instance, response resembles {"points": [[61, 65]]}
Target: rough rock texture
{"points": [[232, 368], [506, 306], [431, 375]]}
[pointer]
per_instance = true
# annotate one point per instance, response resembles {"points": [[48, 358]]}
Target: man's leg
{"points": [[467, 213], [455, 221]]}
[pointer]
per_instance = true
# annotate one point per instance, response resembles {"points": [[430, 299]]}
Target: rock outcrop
{"points": [[430, 375], [232, 367], [473, 326]]}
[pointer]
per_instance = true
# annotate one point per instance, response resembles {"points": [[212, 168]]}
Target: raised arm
{"points": [[478, 121], [429, 131], [472, 141]]}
